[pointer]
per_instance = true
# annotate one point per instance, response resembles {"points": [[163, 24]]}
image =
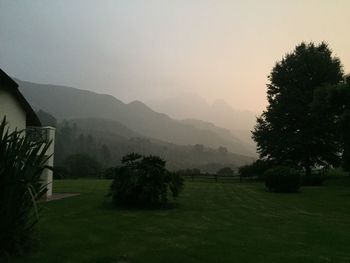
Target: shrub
{"points": [[22, 162], [255, 169], [143, 181], [226, 171], [282, 179], [312, 180], [109, 173], [335, 173], [188, 172]]}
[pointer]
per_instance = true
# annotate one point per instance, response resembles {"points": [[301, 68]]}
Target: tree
{"points": [[82, 165], [90, 144], [105, 153], [255, 169], [222, 150], [345, 131], [226, 171], [342, 102], [289, 131], [81, 143], [198, 148], [333, 104], [188, 172]]}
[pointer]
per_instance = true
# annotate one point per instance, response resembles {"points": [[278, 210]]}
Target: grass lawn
{"points": [[213, 223]]}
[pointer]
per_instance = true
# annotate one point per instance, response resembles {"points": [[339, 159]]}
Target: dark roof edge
{"points": [[31, 117]]}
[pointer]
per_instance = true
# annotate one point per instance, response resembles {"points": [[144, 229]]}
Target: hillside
{"points": [[220, 113], [118, 140], [70, 103], [194, 106]]}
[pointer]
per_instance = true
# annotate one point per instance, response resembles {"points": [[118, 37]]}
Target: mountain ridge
{"points": [[220, 113], [69, 103]]}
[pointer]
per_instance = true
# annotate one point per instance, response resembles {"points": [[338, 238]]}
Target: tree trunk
{"points": [[307, 170]]}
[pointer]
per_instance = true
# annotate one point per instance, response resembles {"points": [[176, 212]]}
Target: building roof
{"points": [[6, 82]]}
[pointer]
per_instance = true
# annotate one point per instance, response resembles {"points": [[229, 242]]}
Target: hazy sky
{"points": [[158, 48]]}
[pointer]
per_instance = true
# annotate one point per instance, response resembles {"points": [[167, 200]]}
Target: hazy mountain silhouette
{"points": [[70, 103], [104, 128], [204, 125], [192, 106], [121, 140]]}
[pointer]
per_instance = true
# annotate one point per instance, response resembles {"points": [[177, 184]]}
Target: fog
{"points": [[150, 50]]}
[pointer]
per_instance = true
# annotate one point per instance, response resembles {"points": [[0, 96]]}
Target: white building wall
{"points": [[15, 115], [16, 118]]}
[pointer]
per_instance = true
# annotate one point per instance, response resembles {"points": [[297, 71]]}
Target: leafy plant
{"points": [[22, 162], [143, 181], [282, 179]]}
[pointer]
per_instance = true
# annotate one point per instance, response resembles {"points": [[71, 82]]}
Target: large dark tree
{"points": [[342, 101], [333, 104], [289, 131], [345, 131]]}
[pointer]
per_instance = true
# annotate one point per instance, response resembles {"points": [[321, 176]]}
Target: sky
{"points": [[154, 49]]}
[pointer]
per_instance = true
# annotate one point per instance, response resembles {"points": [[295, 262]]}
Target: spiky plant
{"points": [[22, 162]]}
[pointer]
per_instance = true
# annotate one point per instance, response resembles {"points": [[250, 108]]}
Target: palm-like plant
{"points": [[22, 162]]}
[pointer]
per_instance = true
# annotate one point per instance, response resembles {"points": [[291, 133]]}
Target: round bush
{"points": [[312, 180], [143, 181], [282, 179]]}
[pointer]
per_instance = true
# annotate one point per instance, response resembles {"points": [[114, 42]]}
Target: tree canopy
{"points": [[333, 103], [226, 171], [290, 131], [82, 165]]}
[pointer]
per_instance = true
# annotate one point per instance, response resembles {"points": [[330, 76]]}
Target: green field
{"points": [[212, 223]]}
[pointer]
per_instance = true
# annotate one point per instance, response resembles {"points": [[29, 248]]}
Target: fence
{"points": [[216, 178], [235, 178]]}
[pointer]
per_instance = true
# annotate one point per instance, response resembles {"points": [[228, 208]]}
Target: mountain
{"points": [[104, 127], [70, 103], [119, 140], [192, 106], [208, 126]]}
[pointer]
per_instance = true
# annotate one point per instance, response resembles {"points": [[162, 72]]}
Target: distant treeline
{"points": [[81, 151]]}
